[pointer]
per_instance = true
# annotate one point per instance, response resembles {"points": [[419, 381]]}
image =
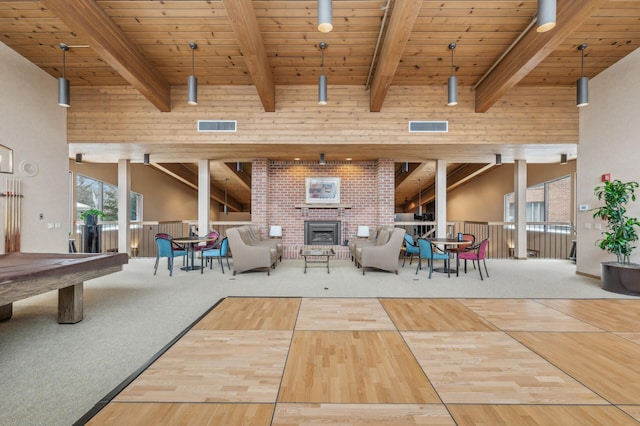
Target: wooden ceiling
{"points": [[265, 43], [374, 43]]}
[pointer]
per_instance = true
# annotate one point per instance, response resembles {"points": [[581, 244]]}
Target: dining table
{"points": [[447, 242], [190, 243]]}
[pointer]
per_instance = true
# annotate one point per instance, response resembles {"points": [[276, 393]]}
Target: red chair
{"points": [[476, 253], [210, 245]]}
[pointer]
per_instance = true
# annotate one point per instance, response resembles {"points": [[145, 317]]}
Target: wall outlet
{"points": [[583, 207]]}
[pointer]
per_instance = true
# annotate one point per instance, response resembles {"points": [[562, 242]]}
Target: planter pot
{"points": [[621, 278], [91, 219]]}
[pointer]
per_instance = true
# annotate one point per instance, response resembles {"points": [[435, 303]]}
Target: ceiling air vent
{"points": [[217, 125], [428, 126]]}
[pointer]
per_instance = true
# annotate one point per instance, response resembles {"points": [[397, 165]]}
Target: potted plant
{"points": [[620, 276], [91, 216]]}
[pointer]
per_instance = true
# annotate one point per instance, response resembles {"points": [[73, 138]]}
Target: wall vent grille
{"points": [[217, 125], [428, 126]]}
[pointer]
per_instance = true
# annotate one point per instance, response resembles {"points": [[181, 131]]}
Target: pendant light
{"points": [[498, 159], [225, 209], [419, 197], [322, 161], [193, 80], [563, 158], [546, 15], [64, 97], [239, 167], [322, 82], [582, 85], [405, 167], [325, 16], [145, 159], [453, 81], [79, 158]]}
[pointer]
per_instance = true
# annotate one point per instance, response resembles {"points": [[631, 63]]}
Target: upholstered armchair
{"points": [[384, 254]]}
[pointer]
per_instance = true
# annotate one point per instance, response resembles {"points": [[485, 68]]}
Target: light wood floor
{"points": [[293, 361]]}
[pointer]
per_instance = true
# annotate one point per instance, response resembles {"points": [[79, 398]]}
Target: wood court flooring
{"points": [[368, 361]]}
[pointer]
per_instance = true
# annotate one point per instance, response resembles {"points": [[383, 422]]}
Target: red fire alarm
{"points": [[606, 177]]}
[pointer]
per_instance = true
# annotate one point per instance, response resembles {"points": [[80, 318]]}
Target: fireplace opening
{"points": [[322, 233]]}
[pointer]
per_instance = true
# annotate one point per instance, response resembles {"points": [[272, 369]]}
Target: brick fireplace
{"points": [[278, 198]]}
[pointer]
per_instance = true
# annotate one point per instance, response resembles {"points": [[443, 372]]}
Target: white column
{"points": [[204, 197], [124, 206], [520, 198], [441, 198]]}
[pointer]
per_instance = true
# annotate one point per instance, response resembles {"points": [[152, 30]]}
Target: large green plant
{"points": [[620, 232]]}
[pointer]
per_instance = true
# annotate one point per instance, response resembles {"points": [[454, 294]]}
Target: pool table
{"points": [[24, 275]]}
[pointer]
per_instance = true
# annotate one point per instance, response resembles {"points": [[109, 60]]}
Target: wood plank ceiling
{"points": [[266, 43]]}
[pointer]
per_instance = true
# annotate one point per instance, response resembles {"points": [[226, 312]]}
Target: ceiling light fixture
{"points": [[563, 158], [498, 159], [546, 19], [453, 81], [322, 160], [193, 80], [582, 85], [405, 167], [325, 16], [79, 158], [145, 160], [419, 197], [239, 167], [322, 82], [64, 97]]}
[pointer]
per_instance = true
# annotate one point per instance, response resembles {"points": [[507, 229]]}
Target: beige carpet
{"points": [[55, 373]]}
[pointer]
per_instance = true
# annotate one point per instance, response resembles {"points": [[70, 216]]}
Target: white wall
{"points": [[609, 143], [35, 127]]}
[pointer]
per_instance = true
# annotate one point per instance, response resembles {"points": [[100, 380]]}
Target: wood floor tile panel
{"points": [[361, 414], [372, 367], [541, 415], [492, 368], [250, 313], [632, 337], [215, 366], [433, 315], [607, 364], [607, 314], [343, 314], [632, 410], [170, 414], [525, 315]]}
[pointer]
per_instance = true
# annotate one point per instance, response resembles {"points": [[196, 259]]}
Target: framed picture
{"points": [[323, 190]]}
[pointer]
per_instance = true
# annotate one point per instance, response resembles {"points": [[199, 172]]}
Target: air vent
{"points": [[428, 126], [217, 125]]}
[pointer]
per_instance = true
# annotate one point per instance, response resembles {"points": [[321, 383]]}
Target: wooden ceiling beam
{"points": [[531, 50], [245, 26], [88, 20], [403, 16]]}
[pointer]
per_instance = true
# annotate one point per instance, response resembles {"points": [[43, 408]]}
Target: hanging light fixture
{"points": [[145, 160], [193, 80], [322, 160], [325, 16], [405, 167], [239, 167], [582, 85], [419, 197], [498, 159], [546, 15], [563, 158], [322, 82], [225, 209], [453, 81], [79, 158], [64, 97]]}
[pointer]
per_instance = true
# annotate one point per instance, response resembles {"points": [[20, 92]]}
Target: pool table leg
{"points": [[70, 306], [6, 311]]}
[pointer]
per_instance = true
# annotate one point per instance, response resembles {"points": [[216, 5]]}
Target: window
{"points": [[546, 202], [93, 193]]}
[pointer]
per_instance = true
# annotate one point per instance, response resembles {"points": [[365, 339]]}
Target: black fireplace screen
{"points": [[322, 233]]}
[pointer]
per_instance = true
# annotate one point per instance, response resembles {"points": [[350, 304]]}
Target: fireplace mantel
{"points": [[322, 206]]}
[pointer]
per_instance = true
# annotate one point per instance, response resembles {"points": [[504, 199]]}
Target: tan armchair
{"points": [[247, 257], [385, 254]]}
